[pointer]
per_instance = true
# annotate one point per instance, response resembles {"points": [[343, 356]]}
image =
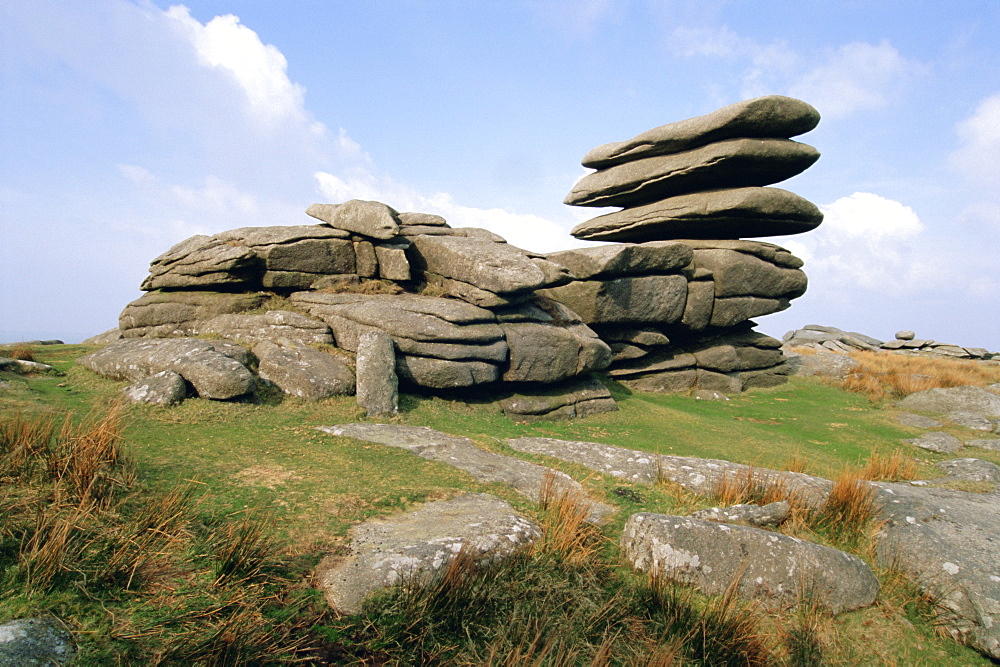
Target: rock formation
{"points": [[665, 308], [675, 296]]}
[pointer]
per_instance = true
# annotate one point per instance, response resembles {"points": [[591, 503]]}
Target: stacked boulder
{"points": [[675, 295], [832, 339], [460, 307]]}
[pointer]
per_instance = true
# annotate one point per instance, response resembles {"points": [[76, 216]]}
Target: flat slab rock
{"points": [[694, 474], [947, 542], [777, 569], [963, 399], [417, 544], [529, 479], [34, 641], [944, 443]]}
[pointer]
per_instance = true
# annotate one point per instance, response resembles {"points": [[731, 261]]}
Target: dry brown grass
{"points": [[378, 286], [22, 352], [888, 376], [751, 485], [849, 514], [565, 531], [893, 467]]}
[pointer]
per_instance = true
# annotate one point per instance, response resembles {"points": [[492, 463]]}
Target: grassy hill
{"points": [[215, 513]]}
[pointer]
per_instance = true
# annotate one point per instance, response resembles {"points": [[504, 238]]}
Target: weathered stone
{"points": [[321, 256], [209, 366], [765, 377], [966, 399], [262, 238], [445, 374], [428, 219], [163, 388], [727, 383], [917, 421], [470, 293], [575, 398], [669, 359], [970, 470], [274, 326], [161, 314], [970, 420], [643, 337], [987, 443], [755, 515], [767, 251], [734, 163], [624, 259], [768, 116], [108, 336], [304, 372], [26, 642], [366, 261], [548, 353], [944, 443], [740, 274], [653, 299], [377, 384], [203, 261], [495, 267], [529, 479], [735, 309], [947, 542], [813, 334], [822, 364], [392, 262], [700, 303], [367, 218], [779, 570], [291, 280], [905, 335], [25, 366], [662, 382], [415, 545], [716, 214]]}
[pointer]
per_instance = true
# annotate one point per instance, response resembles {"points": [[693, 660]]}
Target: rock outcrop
{"points": [[832, 339], [678, 322]]}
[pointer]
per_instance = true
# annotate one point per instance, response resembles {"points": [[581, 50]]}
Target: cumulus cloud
{"points": [[976, 158], [528, 231], [865, 241], [856, 77]]}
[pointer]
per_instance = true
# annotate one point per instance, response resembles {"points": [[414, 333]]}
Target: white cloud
{"points": [[977, 158], [865, 241], [525, 230], [856, 77]]}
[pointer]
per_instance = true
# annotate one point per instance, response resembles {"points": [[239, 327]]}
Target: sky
{"points": [[127, 126]]}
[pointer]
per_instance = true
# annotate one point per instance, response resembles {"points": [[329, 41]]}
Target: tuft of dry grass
{"points": [[889, 376], [751, 485], [849, 514], [565, 531], [377, 286], [22, 352], [893, 467]]}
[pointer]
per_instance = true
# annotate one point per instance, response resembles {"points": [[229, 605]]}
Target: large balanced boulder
{"points": [[415, 545], [769, 116], [718, 214], [216, 369], [366, 218], [774, 568]]}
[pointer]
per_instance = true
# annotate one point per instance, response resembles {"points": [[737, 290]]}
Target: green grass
{"points": [[266, 458]]}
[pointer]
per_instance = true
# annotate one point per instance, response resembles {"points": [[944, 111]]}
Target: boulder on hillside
{"points": [[163, 388], [733, 163], [780, 571], [772, 116], [952, 399], [216, 369]]}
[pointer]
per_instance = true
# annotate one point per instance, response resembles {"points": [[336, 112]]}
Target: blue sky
{"points": [[128, 126]]}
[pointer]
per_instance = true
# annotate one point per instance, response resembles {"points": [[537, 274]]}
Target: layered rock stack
{"points": [[460, 306], [675, 296]]}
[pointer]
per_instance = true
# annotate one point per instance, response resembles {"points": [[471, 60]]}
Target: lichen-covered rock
{"points": [[178, 313], [415, 545], [377, 383], [202, 261], [966, 399], [495, 267], [624, 259], [214, 368], [27, 642], [579, 397], [740, 274], [304, 372], [366, 218], [274, 326], [774, 568], [944, 443], [163, 388], [755, 515], [626, 300], [541, 352]]}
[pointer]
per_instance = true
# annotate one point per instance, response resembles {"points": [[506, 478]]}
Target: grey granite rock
{"points": [[366, 218], [768, 116], [572, 399], [917, 421], [177, 313], [26, 642], [905, 335], [716, 214], [778, 570], [545, 352], [415, 545], [163, 388], [967, 399], [273, 325], [624, 259], [771, 514], [304, 372], [973, 421], [444, 373], [203, 261], [944, 443], [495, 267], [377, 383], [214, 368], [733, 163], [821, 364], [108, 336], [638, 300], [741, 274]]}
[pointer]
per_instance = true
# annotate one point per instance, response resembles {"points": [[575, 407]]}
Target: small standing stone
{"points": [[377, 384]]}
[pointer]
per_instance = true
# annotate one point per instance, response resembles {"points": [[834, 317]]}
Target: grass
{"points": [[884, 377], [202, 552]]}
